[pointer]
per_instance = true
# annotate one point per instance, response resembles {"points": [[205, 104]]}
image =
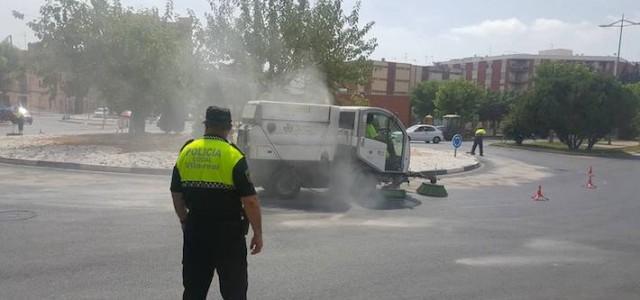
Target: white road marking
{"points": [[541, 252], [340, 220]]}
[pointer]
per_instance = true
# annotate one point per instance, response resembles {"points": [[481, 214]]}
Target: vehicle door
{"points": [[417, 134], [385, 151], [429, 133]]}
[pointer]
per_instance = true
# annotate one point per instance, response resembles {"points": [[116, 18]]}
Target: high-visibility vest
{"points": [[371, 133], [481, 132], [208, 162]]}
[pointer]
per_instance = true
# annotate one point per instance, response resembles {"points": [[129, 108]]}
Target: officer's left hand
{"points": [[256, 244]]}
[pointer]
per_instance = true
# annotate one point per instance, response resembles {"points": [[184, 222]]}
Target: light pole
{"points": [[622, 23]]}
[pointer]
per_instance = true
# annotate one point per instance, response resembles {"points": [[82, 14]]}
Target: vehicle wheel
{"points": [[436, 140], [285, 183]]}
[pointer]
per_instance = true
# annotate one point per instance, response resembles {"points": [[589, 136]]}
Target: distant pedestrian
{"points": [[123, 124], [20, 119], [477, 140]]}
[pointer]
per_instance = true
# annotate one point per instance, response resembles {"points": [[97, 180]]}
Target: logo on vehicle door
{"points": [[288, 128]]}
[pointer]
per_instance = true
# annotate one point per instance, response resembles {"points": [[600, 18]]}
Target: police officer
{"points": [[213, 197], [477, 141]]}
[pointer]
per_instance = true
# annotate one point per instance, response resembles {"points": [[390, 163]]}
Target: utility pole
{"points": [[622, 23]]}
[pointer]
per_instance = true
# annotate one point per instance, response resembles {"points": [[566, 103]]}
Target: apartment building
{"points": [[391, 85], [30, 91], [515, 72]]}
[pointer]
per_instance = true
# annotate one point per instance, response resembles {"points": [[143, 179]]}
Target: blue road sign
{"points": [[456, 141]]}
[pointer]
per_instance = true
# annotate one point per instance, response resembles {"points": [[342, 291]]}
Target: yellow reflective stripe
{"points": [[208, 161]]}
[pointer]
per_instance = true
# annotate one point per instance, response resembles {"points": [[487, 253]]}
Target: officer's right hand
{"points": [[256, 244]]}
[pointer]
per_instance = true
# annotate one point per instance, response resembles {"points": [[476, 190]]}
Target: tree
{"points": [[137, 60], [172, 118], [576, 103], [351, 99], [459, 97], [64, 49], [631, 130], [494, 107], [11, 67], [423, 98], [521, 122], [280, 42], [144, 63]]}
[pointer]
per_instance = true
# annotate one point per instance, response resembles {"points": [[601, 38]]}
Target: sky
{"points": [[424, 31]]}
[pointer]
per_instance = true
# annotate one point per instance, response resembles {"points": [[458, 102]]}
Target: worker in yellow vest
{"points": [[477, 140], [371, 130], [213, 197]]}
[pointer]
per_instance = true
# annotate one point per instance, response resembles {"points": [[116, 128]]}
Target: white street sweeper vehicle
{"points": [[290, 146]]}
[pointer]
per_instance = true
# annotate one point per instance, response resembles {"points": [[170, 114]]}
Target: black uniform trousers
{"points": [[477, 142], [210, 247]]}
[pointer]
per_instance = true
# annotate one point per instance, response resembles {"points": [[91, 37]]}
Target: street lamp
{"points": [[622, 23]]}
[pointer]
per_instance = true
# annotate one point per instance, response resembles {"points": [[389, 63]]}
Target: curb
{"points": [[152, 171], [84, 167], [88, 123], [551, 151], [425, 174], [156, 171]]}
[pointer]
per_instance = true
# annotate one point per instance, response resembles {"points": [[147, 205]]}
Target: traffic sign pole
{"points": [[456, 142]]}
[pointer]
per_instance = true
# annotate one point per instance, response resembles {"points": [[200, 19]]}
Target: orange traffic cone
{"points": [[539, 196], [590, 175]]}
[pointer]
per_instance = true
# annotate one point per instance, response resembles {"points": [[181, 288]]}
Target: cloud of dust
{"points": [[305, 85]]}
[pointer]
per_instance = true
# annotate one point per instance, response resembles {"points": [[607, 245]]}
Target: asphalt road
{"points": [[82, 235]]}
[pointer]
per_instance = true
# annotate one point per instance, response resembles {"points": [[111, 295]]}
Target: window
{"points": [[395, 147], [347, 119], [429, 128], [389, 132]]}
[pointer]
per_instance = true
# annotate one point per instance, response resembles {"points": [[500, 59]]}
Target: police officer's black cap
{"points": [[217, 116]]}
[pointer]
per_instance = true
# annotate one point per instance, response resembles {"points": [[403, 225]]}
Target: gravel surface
{"points": [[428, 159], [41, 147]]}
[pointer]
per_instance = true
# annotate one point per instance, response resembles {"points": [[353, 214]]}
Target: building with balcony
{"points": [[515, 72], [391, 85]]}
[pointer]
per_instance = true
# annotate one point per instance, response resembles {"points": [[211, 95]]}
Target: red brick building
{"points": [[391, 82], [391, 85]]}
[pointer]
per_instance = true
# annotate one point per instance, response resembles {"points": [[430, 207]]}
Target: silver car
{"points": [[426, 133]]}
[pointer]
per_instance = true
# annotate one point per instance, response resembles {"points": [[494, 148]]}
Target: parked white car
{"points": [[101, 112], [426, 133]]}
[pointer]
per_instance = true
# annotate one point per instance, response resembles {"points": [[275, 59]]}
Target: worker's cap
{"points": [[217, 116]]}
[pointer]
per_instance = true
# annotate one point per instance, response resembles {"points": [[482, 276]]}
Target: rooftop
{"points": [[552, 54]]}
